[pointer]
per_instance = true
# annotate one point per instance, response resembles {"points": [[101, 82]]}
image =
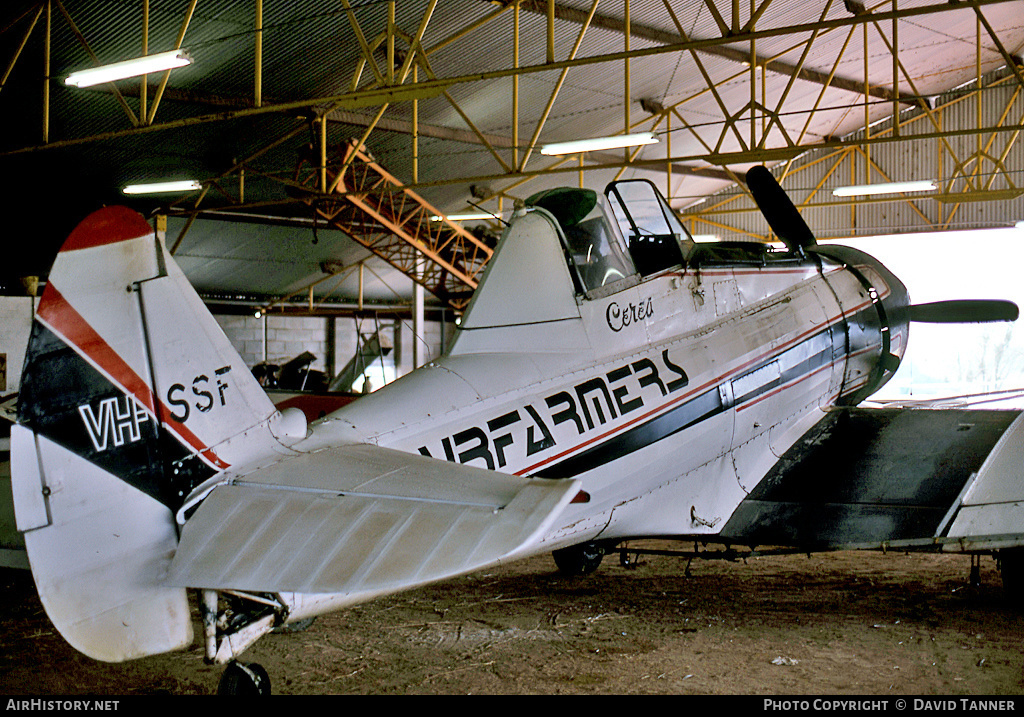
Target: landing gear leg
{"points": [[244, 678], [580, 559], [232, 622]]}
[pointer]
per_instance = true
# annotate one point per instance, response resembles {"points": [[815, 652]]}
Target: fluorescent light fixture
{"points": [[598, 143], [886, 188], [703, 238], [184, 185], [129, 68], [463, 217]]}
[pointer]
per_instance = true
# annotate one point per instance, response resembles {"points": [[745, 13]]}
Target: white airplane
{"points": [[611, 379]]}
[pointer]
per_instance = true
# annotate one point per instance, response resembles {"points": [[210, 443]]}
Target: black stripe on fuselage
{"points": [[667, 424], [698, 409], [790, 369]]}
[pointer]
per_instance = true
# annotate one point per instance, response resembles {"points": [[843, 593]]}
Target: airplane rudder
{"points": [[90, 378], [92, 468]]}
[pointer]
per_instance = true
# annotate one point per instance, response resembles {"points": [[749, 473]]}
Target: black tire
{"points": [[247, 679], [581, 559], [297, 626], [1011, 566]]}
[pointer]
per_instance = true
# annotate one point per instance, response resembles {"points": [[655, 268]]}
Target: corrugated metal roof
{"points": [[310, 51]]}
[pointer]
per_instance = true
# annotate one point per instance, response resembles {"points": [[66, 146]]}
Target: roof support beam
{"points": [[664, 37], [363, 98]]}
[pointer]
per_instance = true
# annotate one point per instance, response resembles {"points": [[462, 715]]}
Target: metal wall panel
{"points": [[993, 159]]}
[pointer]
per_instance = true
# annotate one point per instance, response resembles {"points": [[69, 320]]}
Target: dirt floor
{"points": [[839, 623]]}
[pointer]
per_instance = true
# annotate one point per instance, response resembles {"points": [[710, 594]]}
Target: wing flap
{"points": [[397, 524], [866, 477]]}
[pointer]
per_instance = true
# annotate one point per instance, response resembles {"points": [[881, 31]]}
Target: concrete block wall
{"points": [[285, 337], [288, 336], [15, 327]]}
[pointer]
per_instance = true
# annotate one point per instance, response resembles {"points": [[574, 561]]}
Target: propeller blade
{"points": [[779, 210], [964, 311]]}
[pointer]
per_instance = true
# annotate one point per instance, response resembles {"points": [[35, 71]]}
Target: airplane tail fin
{"points": [[131, 396]]}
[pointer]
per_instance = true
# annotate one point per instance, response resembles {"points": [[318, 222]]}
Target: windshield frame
{"points": [[652, 251]]}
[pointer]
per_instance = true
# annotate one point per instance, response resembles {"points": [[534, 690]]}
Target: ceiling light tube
{"points": [[886, 188], [129, 68], [599, 143], [184, 185]]}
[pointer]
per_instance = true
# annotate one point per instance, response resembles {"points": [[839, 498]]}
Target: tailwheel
{"points": [[244, 678], [581, 559]]}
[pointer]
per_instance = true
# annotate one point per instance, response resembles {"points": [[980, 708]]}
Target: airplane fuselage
{"points": [[702, 378], [610, 379]]}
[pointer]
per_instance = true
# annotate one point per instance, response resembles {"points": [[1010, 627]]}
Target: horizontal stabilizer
{"points": [[361, 521], [99, 549]]}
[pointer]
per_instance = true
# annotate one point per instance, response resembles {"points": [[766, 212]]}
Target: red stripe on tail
{"points": [[62, 318]]}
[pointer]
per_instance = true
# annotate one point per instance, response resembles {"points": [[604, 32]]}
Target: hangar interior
{"points": [[346, 167], [333, 145]]}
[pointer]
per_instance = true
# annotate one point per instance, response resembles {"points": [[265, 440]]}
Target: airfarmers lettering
{"points": [[619, 317], [591, 404]]}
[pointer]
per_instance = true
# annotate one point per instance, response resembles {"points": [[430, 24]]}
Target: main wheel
{"points": [[580, 559], [244, 678], [1011, 566], [297, 626]]}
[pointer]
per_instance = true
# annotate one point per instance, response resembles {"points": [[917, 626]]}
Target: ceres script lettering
{"points": [[619, 317]]}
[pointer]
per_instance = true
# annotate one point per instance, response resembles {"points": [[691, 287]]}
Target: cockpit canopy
{"points": [[619, 238]]}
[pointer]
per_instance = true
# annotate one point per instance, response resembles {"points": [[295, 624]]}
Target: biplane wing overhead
{"points": [[611, 379]]}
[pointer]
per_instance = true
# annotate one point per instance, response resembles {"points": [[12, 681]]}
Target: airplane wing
{"points": [[866, 477], [361, 520]]}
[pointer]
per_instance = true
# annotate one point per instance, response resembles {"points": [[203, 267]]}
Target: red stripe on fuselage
{"points": [[62, 318], [728, 375]]}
